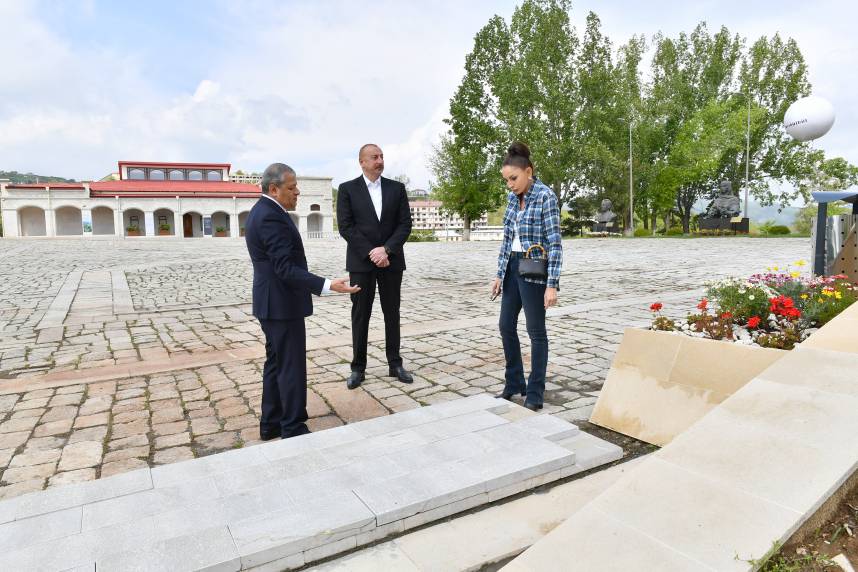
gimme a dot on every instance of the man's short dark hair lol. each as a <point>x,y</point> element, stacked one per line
<point>274,174</point>
<point>364,146</point>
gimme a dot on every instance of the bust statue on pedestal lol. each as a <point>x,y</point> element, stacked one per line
<point>723,211</point>
<point>606,218</point>
<point>725,204</point>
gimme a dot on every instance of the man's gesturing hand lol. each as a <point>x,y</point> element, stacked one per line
<point>342,286</point>
<point>379,257</point>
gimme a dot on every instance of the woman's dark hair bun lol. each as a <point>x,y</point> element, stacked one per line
<point>518,155</point>
<point>517,148</point>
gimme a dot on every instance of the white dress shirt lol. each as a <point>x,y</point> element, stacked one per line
<point>326,289</point>
<point>374,194</point>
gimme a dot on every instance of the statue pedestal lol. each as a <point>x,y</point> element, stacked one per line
<point>605,227</point>
<point>735,224</point>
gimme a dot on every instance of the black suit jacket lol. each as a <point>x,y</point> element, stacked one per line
<point>359,225</point>
<point>281,282</point>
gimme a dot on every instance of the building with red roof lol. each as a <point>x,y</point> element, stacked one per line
<point>155,199</point>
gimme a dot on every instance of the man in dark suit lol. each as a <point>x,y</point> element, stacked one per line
<point>281,300</point>
<point>374,218</point>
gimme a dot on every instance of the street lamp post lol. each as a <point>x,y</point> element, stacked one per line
<point>747,97</point>
<point>631,194</point>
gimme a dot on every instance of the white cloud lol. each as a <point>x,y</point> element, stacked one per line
<point>309,82</point>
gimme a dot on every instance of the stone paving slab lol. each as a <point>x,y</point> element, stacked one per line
<point>299,499</point>
<point>170,370</point>
<point>738,481</point>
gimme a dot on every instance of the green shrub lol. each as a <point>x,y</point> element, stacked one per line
<point>422,236</point>
<point>739,298</point>
<point>643,232</point>
<point>779,229</point>
<point>675,231</point>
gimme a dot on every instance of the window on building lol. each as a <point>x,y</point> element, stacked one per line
<point>162,220</point>
<point>134,221</point>
<point>195,175</point>
<point>136,174</point>
<point>315,208</point>
<point>176,175</point>
<point>214,176</point>
<point>156,174</point>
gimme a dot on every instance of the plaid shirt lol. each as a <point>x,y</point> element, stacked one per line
<point>540,224</point>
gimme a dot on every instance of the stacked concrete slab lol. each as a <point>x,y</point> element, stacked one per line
<point>283,504</point>
<point>741,479</point>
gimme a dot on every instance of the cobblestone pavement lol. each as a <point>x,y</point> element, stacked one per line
<point>117,354</point>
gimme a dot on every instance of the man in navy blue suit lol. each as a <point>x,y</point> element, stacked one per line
<point>282,288</point>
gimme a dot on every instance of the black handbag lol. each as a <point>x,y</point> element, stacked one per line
<point>534,267</point>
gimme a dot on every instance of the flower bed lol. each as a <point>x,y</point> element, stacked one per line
<point>777,309</point>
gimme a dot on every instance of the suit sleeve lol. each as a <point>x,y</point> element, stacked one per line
<point>280,248</point>
<point>403,224</point>
<point>346,223</point>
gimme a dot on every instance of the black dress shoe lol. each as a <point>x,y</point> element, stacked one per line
<point>355,379</point>
<point>401,374</point>
<point>508,396</point>
<point>269,435</point>
<point>533,406</point>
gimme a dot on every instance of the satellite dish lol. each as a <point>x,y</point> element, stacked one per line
<point>809,118</point>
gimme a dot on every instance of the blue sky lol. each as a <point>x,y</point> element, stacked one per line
<point>89,83</point>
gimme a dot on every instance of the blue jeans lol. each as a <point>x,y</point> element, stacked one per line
<point>517,294</point>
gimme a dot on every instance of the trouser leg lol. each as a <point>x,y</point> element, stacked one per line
<point>389,291</point>
<point>361,312</point>
<point>508,325</point>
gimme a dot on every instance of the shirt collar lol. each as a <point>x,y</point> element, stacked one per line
<point>370,183</point>
<point>275,202</point>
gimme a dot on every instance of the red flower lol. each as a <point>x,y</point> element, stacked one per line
<point>656,306</point>
<point>726,316</point>
<point>702,305</point>
<point>753,322</point>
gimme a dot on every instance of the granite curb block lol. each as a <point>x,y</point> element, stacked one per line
<point>283,504</point>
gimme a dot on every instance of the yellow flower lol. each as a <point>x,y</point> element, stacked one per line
<point>775,268</point>
<point>804,296</point>
<point>795,274</point>
<point>838,295</point>
<point>800,263</point>
<point>820,300</point>
<point>828,293</point>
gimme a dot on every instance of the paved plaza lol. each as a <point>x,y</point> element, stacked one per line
<point>122,354</point>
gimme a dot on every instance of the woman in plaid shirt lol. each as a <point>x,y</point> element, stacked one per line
<point>532,217</point>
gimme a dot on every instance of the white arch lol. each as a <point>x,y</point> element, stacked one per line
<point>314,224</point>
<point>164,217</point>
<point>102,220</point>
<point>192,224</point>
<point>31,221</point>
<point>134,222</point>
<point>68,221</point>
<point>242,221</point>
<point>220,219</point>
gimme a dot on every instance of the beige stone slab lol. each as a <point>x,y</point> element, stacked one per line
<point>840,334</point>
<point>601,543</point>
<point>701,516</point>
<point>769,433</point>
<point>659,383</point>
<point>825,370</point>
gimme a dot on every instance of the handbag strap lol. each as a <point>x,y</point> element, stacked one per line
<point>540,247</point>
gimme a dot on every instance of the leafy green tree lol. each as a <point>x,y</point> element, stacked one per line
<point>536,90</point>
<point>466,162</point>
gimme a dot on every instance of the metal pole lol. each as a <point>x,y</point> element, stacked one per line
<point>747,153</point>
<point>631,194</point>
<point>819,249</point>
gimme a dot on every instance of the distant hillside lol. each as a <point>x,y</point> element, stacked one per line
<point>16,177</point>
